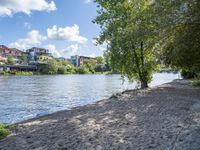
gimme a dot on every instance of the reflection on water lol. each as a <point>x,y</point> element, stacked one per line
<point>24,97</point>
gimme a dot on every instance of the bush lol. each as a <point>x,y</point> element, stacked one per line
<point>61,70</point>
<point>196,82</point>
<point>4,131</point>
<point>23,73</point>
<point>50,68</point>
<point>10,60</point>
<point>16,73</point>
<point>188,74</point>
<point>70,69</point>
<point>116,95</point>
<point>82,70</point>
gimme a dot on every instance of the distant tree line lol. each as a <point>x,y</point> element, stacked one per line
<point>56,66</point>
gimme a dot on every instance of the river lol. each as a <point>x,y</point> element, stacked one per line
<point>25,97</point>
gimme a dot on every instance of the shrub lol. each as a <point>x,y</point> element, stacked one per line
<point>196,82</point>
<point>82,70</point>
<point>50,68</point>
<point>10,60</point>
<point>188,74</point>
<point>4,131</point>
<point>116,95</point>
<point>16,73</point>
<point>61,70</point>
<point>23,73</point>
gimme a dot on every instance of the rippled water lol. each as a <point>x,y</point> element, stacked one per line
<point>24,97</point>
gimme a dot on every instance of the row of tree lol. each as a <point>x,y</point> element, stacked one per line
<point>141,34</point>
<point>56,66</point>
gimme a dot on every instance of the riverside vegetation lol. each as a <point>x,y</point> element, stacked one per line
<point>4,131</point>
<point>56,66</point>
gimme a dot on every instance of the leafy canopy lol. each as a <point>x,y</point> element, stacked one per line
<point>128,28</point>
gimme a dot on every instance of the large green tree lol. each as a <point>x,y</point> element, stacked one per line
<point>179,25</point>
<point>129,29</point>
<point>51,67</point>
<point>10,60</point>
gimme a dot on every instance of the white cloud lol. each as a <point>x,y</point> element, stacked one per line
<point>27,25</point>
<point>70,34</point>
<point>71,50</point>
<point>93,55</point>
<point>33,38</point>
<point>52,49</point>
<point>88,1</point>
<point>10,7</point>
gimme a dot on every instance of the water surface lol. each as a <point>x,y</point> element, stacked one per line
<point>24,97</point>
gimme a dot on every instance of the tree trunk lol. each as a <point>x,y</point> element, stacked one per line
<point>144,84</point>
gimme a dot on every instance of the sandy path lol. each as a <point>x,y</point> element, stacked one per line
<point>162,118</point>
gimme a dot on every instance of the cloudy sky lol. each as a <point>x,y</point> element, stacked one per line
<point>63,26</point>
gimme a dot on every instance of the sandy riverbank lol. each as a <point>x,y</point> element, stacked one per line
<point>162,118</point>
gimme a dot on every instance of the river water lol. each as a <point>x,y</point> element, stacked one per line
<point>25,97</point>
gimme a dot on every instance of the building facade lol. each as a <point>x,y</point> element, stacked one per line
<point>35,54</point>
<point>77,61</point>
<point>5,51</point>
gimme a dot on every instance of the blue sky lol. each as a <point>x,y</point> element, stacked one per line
<point>63,26</point>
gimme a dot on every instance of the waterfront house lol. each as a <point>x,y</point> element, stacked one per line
<point>35,54</point>
<point>44,58</point>
<point>79,60</point>
<point>17,53</point>
<point>75,60</point>
<point>5,51</point>
<point>13,52</point>
<point>2,60</point>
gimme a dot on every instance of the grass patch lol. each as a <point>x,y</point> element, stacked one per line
<point>4,131</point>
<point>196,83</point>
<point>116,95</point>
<point>16,73</point>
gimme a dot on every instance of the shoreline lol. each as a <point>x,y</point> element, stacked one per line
<point>166,116</point>
<point>114,96</point>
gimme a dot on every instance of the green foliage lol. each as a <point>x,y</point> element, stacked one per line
<point>65,67</point>
<point>116,95</point>
<point>50,68</point>
<point>10,60</point>
<point>24,73</point>
<point>99,68</point>
<point>24,58</point>
<point>90,65</point>
<point>140,32</point>
<point>131,35</point>
<point>100,60</point>
<point>107,57</point>
<point>178,22</point>
<point>4,131</point>
<point>189,73</point>
<point>61,70</point>
<point>16,73</point>
<point>196,82</point>
<point>82,70</point>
